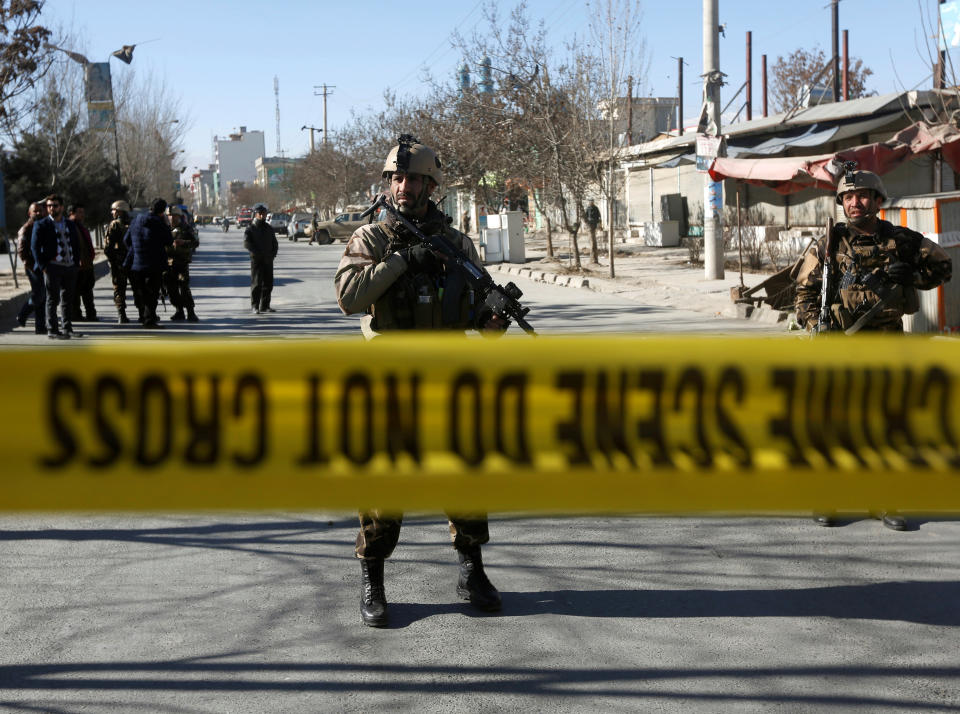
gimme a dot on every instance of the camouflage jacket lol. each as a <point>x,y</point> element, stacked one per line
<point>184,243</point>
<point>374,278</point>
<point>113,245</point>
<point>856,257</point>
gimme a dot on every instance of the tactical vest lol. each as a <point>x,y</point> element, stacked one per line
<point>424,301</point>
<point>857,257</point>
<point>114,248</point>
<point>183,254</point>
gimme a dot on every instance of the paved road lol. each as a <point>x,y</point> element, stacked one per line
<point>258,612</point>
<point>306,304</point>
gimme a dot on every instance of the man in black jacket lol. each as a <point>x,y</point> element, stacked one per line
<point>56,249</point>
<point>146,241</point>
<point>261,242</point>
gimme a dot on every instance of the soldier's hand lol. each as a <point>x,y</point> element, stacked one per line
<point>900,272</point>
<point>496,324</point>
<point>421,259</point>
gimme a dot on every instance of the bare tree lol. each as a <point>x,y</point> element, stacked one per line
<point>618,50</point>
<point>150,125</point>
<point>802,68</point>
<point>23,55</point>
<point>333,178</point>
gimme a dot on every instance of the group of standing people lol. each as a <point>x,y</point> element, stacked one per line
<point>57,254</point>
<point>151,252</point>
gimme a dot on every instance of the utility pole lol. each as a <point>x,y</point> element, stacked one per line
<point>763,82</point>
<point>276,95</point>
<point>939,72</point>
<point>312,129</point>
<point>835,13</point>
<point>749,86</point>
<point>630,110</point>
<point>939,82</point>
<point>679,96</point>
<point>846,65</point>
<point>327,91</point>
<point>712,190</point>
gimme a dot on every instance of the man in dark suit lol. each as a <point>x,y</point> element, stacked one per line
<point>56,249</point>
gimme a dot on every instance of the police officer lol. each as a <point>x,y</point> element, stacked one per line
<point>116,253</point>
<point>260,240</point>
<point>401,284</point>
<point>876,263</point>
<point>591,217</point>
<point>179,255</point>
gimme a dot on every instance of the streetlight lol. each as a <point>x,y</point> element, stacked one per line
<point>312,129</point>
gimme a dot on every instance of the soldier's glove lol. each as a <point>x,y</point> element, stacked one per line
<point>901,273</point>
<point>421,259</point>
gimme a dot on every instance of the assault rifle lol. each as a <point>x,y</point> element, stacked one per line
<point>825,321</point>
<point>501,300</point>
<point>884,292</point>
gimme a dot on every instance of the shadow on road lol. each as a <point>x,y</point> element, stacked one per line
<point>633,683</point>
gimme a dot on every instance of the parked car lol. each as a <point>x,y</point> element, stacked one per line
<point>279,221</point>
<point>297,225</point>
<point>340,228</point>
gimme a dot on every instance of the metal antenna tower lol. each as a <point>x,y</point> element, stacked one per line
<point>276,94</point>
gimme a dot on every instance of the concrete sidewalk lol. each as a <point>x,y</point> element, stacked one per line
<point>662,277</point>
<point>14,293</point>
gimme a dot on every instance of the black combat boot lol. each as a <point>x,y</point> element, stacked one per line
<point>178,315</point>
<point>373,599</point>
<point>893,520</point>
<point>473,584</point>
<point>192,316</point>
<point>826,519</point>
<point>123,319</point>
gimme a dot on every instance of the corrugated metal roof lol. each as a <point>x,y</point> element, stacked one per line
<point>921,200</point>
<point>881,110</point>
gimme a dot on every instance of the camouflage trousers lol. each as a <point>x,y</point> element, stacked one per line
<point>177,281</point>
<point>119,277</point>
<point>380,531</point>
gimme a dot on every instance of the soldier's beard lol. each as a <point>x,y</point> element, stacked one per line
<point>419,205</point>
<point>862,221</point>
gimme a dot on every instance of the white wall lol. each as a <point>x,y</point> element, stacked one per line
<point>236,159</point>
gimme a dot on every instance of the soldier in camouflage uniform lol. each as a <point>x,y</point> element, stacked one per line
<point>179,255</point>
<point>116,253</point>
<point>874,261</point>
<point>401,284</point>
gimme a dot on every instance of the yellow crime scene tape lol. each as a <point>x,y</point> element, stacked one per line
<point>582,424</point>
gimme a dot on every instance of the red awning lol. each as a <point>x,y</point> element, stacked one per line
<point>792,174</point>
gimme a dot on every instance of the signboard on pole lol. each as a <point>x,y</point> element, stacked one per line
<point>708,148</point>
<point>99,91</point>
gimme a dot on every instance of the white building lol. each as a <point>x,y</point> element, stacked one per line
<point>236,157</point>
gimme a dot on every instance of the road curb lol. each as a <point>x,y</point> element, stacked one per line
<point>11,303</point>
<point>544,276</point>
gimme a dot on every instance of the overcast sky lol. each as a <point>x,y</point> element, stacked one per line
<point>221,55</point>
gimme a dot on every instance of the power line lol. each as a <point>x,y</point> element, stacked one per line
<point>436,49</point>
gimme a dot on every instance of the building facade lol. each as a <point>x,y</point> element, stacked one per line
<point>236,158</point>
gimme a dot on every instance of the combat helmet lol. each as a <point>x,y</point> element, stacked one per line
<point>120,206</point>
<point>412,157</point>
<point>260,208</point>
<point>853,180</point>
